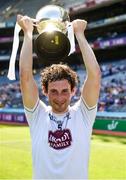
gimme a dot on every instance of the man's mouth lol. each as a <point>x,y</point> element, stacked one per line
<point>59,104</point>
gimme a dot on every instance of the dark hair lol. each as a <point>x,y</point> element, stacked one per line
<point>58,72</point>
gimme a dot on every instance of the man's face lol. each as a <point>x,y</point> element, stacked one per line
<point>59,95</point>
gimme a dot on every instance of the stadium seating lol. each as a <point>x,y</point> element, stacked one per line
<point>9,9</point>
<point>112,95</point>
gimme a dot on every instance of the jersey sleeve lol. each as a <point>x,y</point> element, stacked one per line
<point>89,113</point>
<point>33,114</point>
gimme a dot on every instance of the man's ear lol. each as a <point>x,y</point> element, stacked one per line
<point>44,90</point>
<point>73,91</point>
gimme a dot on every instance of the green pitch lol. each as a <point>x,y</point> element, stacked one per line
<point>107,161</point>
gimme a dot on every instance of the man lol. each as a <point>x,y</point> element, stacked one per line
<point>60,133</point>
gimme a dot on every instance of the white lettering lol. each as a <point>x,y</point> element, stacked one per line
<point>113,125</point>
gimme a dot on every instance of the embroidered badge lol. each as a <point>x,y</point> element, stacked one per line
<point>60,139</point>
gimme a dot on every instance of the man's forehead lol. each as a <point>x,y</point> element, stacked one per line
<point>60,83</point>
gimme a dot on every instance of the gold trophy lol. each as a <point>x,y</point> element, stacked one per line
<point>52,41</point>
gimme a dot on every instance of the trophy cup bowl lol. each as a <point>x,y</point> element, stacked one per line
<point>52,42</point>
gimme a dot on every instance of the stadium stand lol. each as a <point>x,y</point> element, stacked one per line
<point>112,96</point>
<point>9,9</point>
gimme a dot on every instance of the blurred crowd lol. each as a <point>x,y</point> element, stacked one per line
<point>113,87</point>
<point>112,95</point>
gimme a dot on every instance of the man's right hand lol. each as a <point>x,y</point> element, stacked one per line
<point>26,23</point>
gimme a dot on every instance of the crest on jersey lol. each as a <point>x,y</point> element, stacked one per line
<point>60,139</point>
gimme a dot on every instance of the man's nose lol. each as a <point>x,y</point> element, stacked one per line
<point>60,98</point>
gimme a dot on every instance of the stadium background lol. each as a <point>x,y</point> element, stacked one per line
<point>106,35</point>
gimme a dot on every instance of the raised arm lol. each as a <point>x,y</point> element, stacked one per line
<point>91,86</point>
<point>29,88</point>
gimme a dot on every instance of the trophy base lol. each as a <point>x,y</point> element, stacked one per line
<point>52,46</point>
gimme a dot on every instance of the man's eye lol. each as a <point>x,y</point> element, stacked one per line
<point>53,91</point>
<point>65,90</point>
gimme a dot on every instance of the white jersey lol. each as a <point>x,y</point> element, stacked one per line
<point>61,143</point>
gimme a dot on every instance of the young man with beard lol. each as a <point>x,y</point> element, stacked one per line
<point>60,133</point>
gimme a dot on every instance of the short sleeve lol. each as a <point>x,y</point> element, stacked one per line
<point>33,114</point>
<point>89,111</point>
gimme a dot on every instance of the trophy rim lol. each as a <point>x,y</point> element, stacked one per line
<point>43,13</point>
